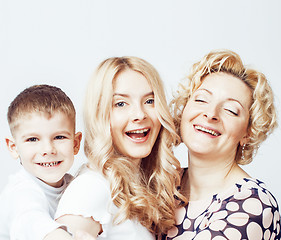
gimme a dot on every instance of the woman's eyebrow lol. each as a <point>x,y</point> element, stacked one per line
<point>127,95</point>
<point>149,94</point>
<point>120,94</point>
<point>205,90</point>
<point>235,100</point>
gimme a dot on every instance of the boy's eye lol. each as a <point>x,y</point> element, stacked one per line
<point>60,137</point>
<point>150,101</point>
<point>32,139</point>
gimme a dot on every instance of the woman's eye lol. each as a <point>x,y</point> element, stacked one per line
<point>200,100</point>
<point>60,137</point>
<point>32,139</point>
<point>120,104</point>
<point>232,112</point>
<point>150,101</point>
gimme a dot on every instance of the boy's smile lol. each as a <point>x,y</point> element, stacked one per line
<point>46,146</point>
<point>50,164</point>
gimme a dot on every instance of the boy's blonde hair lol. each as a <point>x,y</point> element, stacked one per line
<point>146,195</point>
<point>44,99</point>
<point>262,119</point>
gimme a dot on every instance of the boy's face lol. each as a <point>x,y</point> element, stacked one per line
<point>45,146</point>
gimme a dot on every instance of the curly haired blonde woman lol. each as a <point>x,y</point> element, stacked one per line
<point>128,188</point>
<point>223,113</point>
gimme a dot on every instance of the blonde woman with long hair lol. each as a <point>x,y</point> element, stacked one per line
<point>129,186</point>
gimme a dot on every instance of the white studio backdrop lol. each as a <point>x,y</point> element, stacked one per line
<point>60,42</point>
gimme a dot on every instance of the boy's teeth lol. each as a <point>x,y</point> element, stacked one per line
<point>207,130</point>
<point>49,164</point>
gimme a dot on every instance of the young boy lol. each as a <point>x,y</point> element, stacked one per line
<point>42,124</point>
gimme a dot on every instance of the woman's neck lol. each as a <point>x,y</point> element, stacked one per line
<point>207,177</point>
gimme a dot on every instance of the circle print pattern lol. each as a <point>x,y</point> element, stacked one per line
<point>247,211</point>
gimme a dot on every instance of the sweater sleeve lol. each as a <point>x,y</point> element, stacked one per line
<point>88,195</point>
<point>30,215</point>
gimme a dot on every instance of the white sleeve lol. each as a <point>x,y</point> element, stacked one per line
<point>30,215</point>
<point>88,195</point>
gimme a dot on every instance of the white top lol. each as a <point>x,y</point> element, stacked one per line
<point>89,195</point>
<point>28,206</point>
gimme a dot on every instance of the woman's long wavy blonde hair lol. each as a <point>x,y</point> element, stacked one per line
<point>262,119</point>
<point>147,194</point>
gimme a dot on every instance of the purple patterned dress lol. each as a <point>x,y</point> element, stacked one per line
<point>245,211</point>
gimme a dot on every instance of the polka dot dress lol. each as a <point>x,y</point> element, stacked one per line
<point>246,211</point>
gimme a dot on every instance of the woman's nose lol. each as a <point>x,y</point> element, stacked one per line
<point>138,113</point>
<point>212,113</point>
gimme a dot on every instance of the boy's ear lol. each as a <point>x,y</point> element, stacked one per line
<point>11,145</point>
<point>77,141</point>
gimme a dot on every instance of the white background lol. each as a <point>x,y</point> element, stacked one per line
<point>60,42</point>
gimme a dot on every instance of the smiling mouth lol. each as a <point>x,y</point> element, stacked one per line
<point>209,131</point>
<point>49,164</point>
<point>138,134</point>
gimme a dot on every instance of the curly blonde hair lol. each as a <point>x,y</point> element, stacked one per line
<point>148,194</point>
<point>262,112</point>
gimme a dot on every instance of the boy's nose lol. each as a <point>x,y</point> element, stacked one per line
<point>48,149</point>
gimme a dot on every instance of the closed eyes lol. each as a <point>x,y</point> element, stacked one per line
<point>200,100</point>
<point>232,112</point>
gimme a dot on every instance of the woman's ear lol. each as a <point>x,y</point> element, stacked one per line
<point>77,141</point>
<point>244,140</point>
<point>11,145</point>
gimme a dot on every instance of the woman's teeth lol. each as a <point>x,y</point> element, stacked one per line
<point>138,133</point>
<point>212,132</point>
